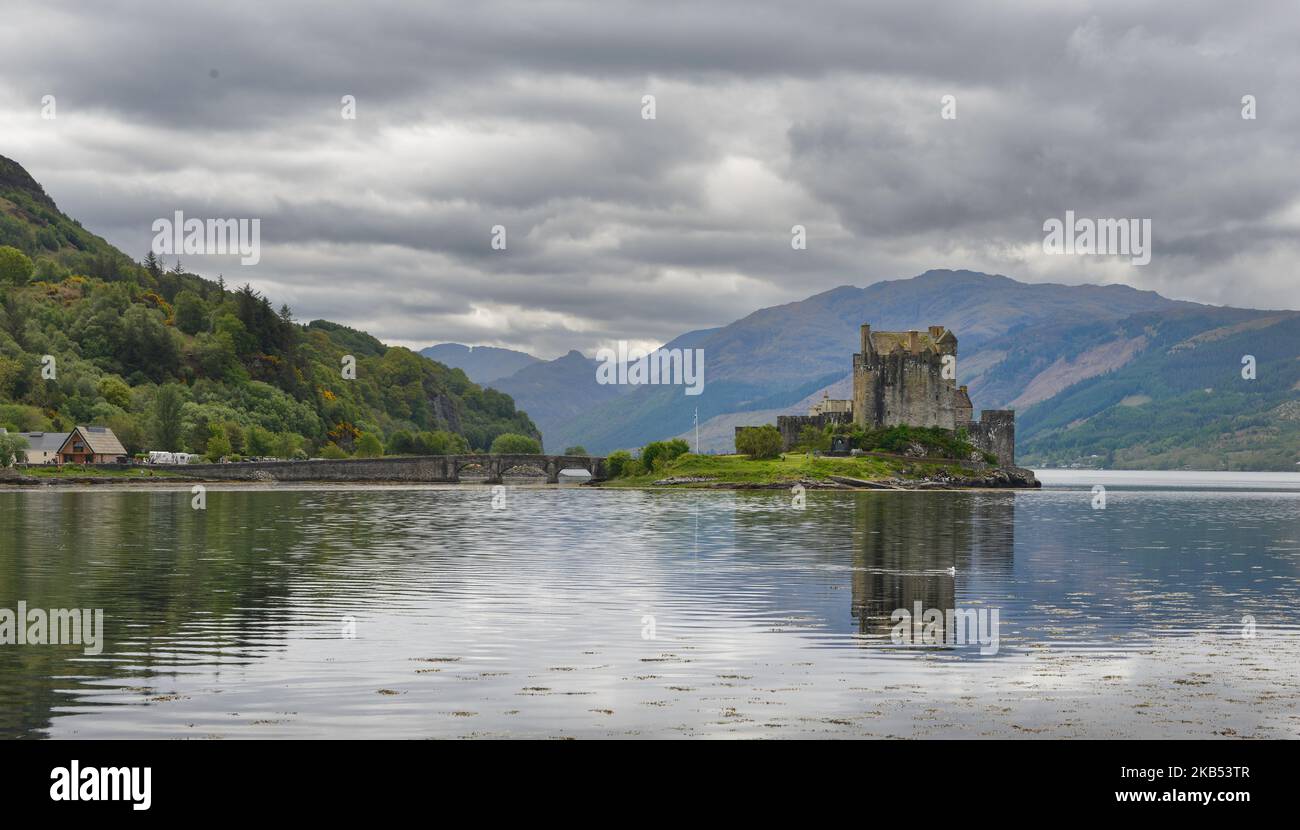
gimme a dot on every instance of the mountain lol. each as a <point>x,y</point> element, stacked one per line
<point>172,361</point>
<point>58,245</point>
<point>557,391</point>
<point>1160,391</point>
<point>482,364</point>
<point>1097,374</point>
<point>774,358</point>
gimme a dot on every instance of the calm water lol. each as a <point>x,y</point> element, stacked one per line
<point>582,612</point>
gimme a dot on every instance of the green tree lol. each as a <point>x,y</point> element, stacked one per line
<point>576,450</point>
<point>218,444</point>
<point>369,446</point>
<point>429,443</point>
<point>333,452</point>
<point>216,357</point>
<point>616,462</point>
<point>166,416</point>
<point>23,418</point>
<point>128,429</point>
<point>811,438</point>
<point>289,445</point>
<point>191,313</point>
<point>15,266</point>
<point>759,442</point>
<point>152,265</point>
<point>401,442</point>
<point>666,450</point>
<point>633,468</point>
<point>11,377</point>
<point>436,442</point>
<point>235,435</point>
<point>146,345</point>
<point>114,390</point>
<point>261,441</point>
<point>12,449</point>
<point>515,444</point>
<point>457,443</point>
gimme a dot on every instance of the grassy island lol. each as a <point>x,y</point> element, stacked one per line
<point>895,457</point>
<point>689,470</point>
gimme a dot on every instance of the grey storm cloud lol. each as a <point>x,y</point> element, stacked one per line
<point>768,114</point>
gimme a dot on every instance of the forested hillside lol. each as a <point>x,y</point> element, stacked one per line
<point>173,361</point>
<point>1184,400</point>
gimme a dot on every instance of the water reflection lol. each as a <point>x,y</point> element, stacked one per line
<point>227,621</point>
<point>909,550</point>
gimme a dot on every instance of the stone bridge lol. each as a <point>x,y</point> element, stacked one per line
<point>496,465</point>
<point>419,468</point>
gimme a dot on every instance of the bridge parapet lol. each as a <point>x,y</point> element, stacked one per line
<point>421,468</point>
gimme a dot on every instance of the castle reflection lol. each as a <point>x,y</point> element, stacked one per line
<point>910,549</point>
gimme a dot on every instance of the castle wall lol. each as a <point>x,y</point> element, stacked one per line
<point>915,393</point>
<point>995,432</point>
<point>864,394</point>
<point>902,388</point>
<point>962,411</point>
<point>791,425</point>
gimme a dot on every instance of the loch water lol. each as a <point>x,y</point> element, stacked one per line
<point>416,612</point>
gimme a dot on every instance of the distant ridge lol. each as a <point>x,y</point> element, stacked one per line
<point>482,364</point>
<point>1098,374</point>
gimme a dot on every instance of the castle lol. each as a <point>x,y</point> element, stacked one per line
<point>910,378</point>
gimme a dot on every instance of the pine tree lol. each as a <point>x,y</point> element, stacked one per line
<point>151,264</point>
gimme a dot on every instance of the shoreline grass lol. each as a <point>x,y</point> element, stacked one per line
<point>77,471</point>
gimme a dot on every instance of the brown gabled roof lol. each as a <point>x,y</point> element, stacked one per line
<point>100,440</point>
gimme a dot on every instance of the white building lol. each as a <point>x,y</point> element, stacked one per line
<point>43,447</point>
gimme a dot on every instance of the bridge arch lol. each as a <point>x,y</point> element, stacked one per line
<point>495,466</point>
<point>462,463</point>
<point>557,464</point>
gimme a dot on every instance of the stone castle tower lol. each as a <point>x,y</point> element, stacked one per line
<point>909,378</point>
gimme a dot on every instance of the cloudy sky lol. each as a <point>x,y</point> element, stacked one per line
<point>529,115</point>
